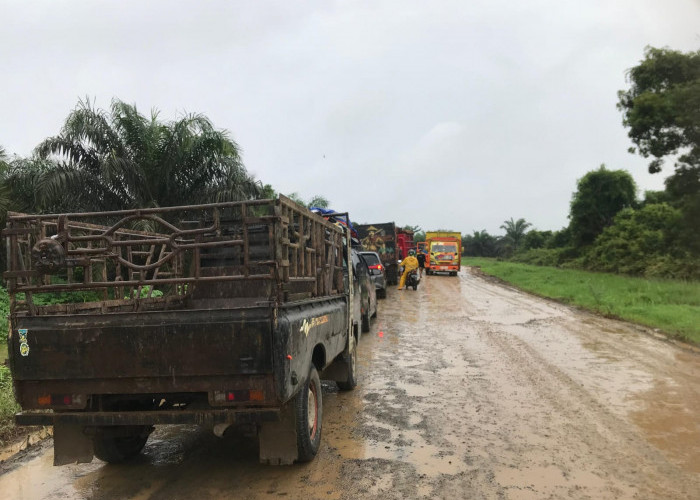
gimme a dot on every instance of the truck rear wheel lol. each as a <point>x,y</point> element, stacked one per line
<point>120,443</point>
<point>309,412</point>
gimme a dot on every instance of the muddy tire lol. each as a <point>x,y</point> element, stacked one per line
<point>309,411</point>
<point>120,446</point>
<point>365,321</point>
<point>415,287</point>
<point>350,361</point>
<point>381,293</point>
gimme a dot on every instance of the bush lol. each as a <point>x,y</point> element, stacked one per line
<point>643,242</point>
<point>8,405</point>
<point>539,257</point>
<point>553,257</point>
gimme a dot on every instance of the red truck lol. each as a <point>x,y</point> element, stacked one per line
<point>404,242</point>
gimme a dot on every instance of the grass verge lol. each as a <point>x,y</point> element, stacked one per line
<point>669,305</point>
<point>8,406</point>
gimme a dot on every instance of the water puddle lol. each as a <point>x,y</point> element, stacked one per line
<point>669,418</point>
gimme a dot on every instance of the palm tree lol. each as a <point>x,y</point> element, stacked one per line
<point>515,232</point>
<point>21,178</point>
<point>122,159</point>
<point>483,244</point>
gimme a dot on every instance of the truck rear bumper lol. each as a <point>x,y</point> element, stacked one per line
<point>198,417</point>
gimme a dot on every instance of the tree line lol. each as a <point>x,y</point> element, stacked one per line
<point>610,229</point>
<point>121,159</point>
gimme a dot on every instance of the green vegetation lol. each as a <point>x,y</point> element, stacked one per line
<point>601,194</point>
<point>8,406</point>
<point>661,106</point>
<point>121,159</point>
<point>609,229</point>
<point>317,201</point>
<point>515,234</point>
<point>670,305</point>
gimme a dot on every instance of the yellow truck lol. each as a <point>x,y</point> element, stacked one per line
<point>444,252</point>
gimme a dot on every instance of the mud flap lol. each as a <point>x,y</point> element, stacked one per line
<point>337,370</point>
<point>71,445</point>
<point>278,440</point>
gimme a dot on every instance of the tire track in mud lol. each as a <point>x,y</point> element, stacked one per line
<point>602,437</point>
<point>516,424</point>
<point>472,390</point>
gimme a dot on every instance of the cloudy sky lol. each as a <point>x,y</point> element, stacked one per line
<point>442,114</point>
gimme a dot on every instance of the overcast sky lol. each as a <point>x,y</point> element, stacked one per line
<point>442,114</point>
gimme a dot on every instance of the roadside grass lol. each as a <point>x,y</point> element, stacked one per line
<point>671,306</point>
<point>8,406</point>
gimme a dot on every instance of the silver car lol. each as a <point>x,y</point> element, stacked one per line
<point>377,272</point>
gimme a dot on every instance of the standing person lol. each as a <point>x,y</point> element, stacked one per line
<point>421,263</point>
<point>409,264</point>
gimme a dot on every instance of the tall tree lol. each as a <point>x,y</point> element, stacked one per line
<point>662,106</point>
<point>536,239</point>
<point>479,244</point>
<point>515,232</point>
<point>601,194</point>
<point>662,110</point>
<point>123,159</point>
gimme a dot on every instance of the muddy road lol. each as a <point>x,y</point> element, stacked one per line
<point>468,389</point>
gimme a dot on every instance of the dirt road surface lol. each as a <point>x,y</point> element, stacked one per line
<point>468,389</point>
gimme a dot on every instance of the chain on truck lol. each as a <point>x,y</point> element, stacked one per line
<point>221,315</point>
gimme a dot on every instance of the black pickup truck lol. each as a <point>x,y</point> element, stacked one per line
<point>222,315</point>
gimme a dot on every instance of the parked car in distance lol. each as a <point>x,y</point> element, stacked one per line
<point>377,271</point>
<point>368,295</point>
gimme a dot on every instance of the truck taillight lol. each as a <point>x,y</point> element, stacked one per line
<point>61,400</point>
<point>238,396</point>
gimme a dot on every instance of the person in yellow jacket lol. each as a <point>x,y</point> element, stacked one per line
<point>409,264</point>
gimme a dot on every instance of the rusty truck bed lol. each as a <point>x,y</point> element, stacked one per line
<point>168,304</point>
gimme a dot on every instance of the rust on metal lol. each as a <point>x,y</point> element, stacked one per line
<point>277,249</point>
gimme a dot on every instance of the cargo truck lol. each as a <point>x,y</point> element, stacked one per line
<point>221,315</point>
<point>381,238</point>
<point>444,252</point>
